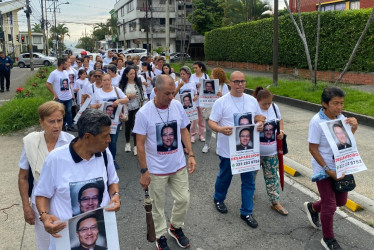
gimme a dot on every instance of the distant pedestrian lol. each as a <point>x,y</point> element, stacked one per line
<point>332,100</point>
<point>161,126</point>
<point>6,64</point>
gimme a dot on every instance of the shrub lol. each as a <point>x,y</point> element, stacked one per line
<point>253,41</point>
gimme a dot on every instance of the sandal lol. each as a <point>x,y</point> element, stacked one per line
<point>278,208</point>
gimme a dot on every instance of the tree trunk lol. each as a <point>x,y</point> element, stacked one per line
<point>356,46</point>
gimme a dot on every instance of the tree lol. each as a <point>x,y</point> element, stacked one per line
<point>37,28</point>
<point>100,31</point>
<point>207,15</point>
<point>86,43</point>
<point>61,30</point>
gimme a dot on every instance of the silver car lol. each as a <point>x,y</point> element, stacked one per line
<point>39,59</point>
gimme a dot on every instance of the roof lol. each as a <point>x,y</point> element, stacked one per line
<point>9,6</point>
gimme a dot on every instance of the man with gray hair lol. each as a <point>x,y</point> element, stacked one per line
<point>85,160</point>
<point>160,167</point>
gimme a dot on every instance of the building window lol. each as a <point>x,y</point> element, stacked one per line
<point>354,5</point>
<point>122,11</point>
<point>132,26</point>
<point>130,6</point>
<point>37,39</point>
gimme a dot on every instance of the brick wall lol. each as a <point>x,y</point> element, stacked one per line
<point>329,76</point>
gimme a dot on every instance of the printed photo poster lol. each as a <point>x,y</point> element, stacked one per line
<point>267,136</point>
<point>186,98</point>
<point>208,92</point>
<point>64,84</point>
<point>244,149</point>
<point>82,108</point>
<point>113,113</point>
<point>96,229</point>
<point>343,145</point>
<point>86,195</point>
<point>242,119</point>
<point>167,137</point>
<point>72,79</point>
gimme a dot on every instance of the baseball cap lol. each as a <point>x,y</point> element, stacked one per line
<point>83,53</point>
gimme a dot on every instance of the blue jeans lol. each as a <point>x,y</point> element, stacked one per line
<point>68,118</point>
<point>223,183</point>
<point>113,142</point>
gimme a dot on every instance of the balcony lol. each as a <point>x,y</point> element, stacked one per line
<point>156,9</point>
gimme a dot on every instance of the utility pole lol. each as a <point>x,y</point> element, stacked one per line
<point>28,12</point>
<point>275,44</point>
<point>43,24</point>
<point>147,24</point>
<point>167,32</point>
<point>54,10</point>
<point>46,27</point>
<point>150,2</point>
<point>2,32</point>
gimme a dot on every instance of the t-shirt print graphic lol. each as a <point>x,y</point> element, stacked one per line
<point>167,137</point>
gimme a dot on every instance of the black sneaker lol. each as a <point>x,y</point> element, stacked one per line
<point>178,235</point>
<point>1,90</point>
<point>312,216</point>
<point>162,244</point>
<point>220,206</point>
<point>250,220</point>
<point>331,244</point>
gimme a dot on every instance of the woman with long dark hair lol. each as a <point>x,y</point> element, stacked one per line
<point>132,87</point>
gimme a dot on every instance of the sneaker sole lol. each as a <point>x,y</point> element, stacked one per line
<point>324,244</point>
<point>176,239</point>
<point>309,215</point>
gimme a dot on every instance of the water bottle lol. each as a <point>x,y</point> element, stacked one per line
<point>319,176</point>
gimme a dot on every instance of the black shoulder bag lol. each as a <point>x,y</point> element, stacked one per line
<point>344,185</point>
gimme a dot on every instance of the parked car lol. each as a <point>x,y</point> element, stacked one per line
<point>39,59</point>
<point>135,52</point>
<point>176,57</point>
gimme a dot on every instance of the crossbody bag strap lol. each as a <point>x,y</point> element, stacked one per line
<point>276,115</point>
<point>105,156</point>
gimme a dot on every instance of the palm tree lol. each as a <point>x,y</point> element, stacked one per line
<point>61,30</point>
<point>237,11</point>
<point>37,28</point>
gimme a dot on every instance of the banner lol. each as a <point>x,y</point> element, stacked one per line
<point>343,144</point>
<point>95,229</point>
<point>208,92</point>
<point>113,113</point>
<point>83,108</point>
<point>244,149</point>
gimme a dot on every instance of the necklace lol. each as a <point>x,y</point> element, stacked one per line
<point>167,120</point>
<point>240,111</point>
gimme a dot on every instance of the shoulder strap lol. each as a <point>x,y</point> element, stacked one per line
<point>93,89</point>
<point>275,111</point>
<point>115,89</point>
<point>205,76</point>
<point>105,156</point>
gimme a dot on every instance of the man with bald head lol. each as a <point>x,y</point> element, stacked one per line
<point>160,167</point>
<point>221,120</point>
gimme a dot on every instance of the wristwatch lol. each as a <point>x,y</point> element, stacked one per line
<point>143,170</point>
<point>325,168</point>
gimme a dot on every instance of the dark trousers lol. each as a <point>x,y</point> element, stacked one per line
<point>68,118</point>
<point>5,74</point>
<point>129,125</point>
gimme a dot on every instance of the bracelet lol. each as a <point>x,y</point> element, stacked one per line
<point>41,214</point>
<point>325,168</point>
<point>191,156</point>
<point>281,131</point>
<point>115,193</point>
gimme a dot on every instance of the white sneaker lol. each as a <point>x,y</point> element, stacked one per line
<point>205,148</point>
<point>128,147</point>
<point>135,151</point>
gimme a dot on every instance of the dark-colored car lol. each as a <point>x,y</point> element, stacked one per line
<point>177,57</point>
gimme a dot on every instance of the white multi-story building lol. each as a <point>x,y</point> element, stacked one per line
<point>142,22</point>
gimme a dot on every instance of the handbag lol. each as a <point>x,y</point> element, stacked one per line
<point>284,140</point>
<point>124,116</point>
<point>344,185</point>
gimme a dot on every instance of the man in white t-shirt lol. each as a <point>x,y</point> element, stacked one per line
<point>158,68</point>
<point>69,168</point>
<point>221,120</point>
<point>158,123</point>
<point>107,60</point>
<point>57,84</point>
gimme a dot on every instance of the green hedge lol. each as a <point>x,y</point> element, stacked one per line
<point>253,41</point>
<point>21,111</point>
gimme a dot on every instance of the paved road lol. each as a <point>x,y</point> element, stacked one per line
<point>17,79</point>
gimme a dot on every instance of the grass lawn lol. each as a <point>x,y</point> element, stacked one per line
<point>356,101</point>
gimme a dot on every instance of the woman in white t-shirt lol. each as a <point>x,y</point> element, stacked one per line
<point>217,73</point>
<point>200,73</point>
<point>132,87</point>
<point>81,82</point>
<point>112,71</point>
<point>166,70</point>
<point>268,146</point>
<point>148,75</point>
<point>332,100</point>
<point>111,94</point>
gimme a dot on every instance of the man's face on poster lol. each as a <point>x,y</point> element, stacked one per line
<point>65,84</point>
<point>88,233</point>
<point>244,137</point>
<point>109,110</point>
<point>71,78</point>
<point>339,133</point>
<point>209,87</point>
<point>89,200</point>
<point>167,136</point>
<point>244,121</point>
<point>268,131</point>
<point>186,101</point>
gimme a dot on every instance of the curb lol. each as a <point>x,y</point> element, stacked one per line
<point>355,203</point>
<point>291,171</point>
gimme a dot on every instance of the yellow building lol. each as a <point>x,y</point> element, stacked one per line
<point>9,31</point>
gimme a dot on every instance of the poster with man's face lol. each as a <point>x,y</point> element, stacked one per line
<point>64,84</point>
<point>269,132</point>
<point>186,100</point>
<point>167,137</point>
<point>242,119</point>
<point>209,87</point>
<point>110,110</point>
<point>71,78</point>
<point>244,138</point>
<point>86,195</point>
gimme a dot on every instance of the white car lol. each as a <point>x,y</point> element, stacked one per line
<point>135,52</point>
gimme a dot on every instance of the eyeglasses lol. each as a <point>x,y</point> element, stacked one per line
<point>237,82</point>
<point>87,199</point>
<point>85,229</point>
<point>165,135</point>
<point>268,130</point>
<point>97,75</point>
<point>244,136</point>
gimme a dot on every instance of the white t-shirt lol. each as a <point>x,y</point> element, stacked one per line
<point>160,159</point>
<point>196,80</point>
<point>225,89</point>
<point>90,89</point>
<point>157,71</point>
<point>120,71</point>
<point>150,86</point>
<point>153,94</point>
<point>115,81</point>
<point>269,147</point>
<point>227,109</point>
<point>107,60</point>
<point>316,136</point>
<point>190,86</point>
<point>60,83</point>
<point>64,173</point>
<point>63,139</point>
<point>101,95</point>
<point>81,84</point>
<point>72,72</point>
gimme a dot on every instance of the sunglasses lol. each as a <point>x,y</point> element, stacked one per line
<point>97,75</point>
